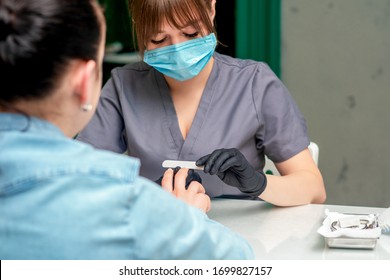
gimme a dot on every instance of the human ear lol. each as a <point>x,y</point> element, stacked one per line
<point>84,83</point>
<point>213,11</point>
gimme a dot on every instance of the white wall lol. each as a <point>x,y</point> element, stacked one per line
<point>336,64</point>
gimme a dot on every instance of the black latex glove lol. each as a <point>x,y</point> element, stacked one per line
<point>192,176</point>
<point>231,166</point>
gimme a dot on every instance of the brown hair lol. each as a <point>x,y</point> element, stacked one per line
<point>148,16</point>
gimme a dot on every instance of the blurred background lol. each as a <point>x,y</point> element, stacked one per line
<point>333,56</point>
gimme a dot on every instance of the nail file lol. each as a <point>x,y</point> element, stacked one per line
<point>181,164</point>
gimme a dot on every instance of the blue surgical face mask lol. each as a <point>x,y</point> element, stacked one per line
<point>182,61</point>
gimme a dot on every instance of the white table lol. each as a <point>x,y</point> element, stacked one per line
<point>288,233</point>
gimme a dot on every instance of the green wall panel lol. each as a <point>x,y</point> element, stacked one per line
<point>258,30</point>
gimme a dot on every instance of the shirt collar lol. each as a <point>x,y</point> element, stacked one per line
<point>24,123</point>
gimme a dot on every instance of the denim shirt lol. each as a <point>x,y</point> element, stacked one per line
<point>62,199</point>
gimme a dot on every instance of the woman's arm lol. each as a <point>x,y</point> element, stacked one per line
<point>300,182</point>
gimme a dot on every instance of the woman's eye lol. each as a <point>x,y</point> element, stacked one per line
<point>157,42</point>
<point>192,35</point>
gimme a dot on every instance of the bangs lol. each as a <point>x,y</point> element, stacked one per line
<point>183,14</point>
<point>149,18</point>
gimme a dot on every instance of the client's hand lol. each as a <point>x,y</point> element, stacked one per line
<point>191,176</point>
<point>194,195</point>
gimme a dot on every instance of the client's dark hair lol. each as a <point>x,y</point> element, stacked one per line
<point>38,39</point>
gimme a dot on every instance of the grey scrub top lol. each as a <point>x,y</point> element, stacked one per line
<point>243,106</point>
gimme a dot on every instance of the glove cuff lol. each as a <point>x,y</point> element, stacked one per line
<point>260,187</point>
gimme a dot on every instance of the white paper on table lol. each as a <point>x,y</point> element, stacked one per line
<point>326,231</point>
